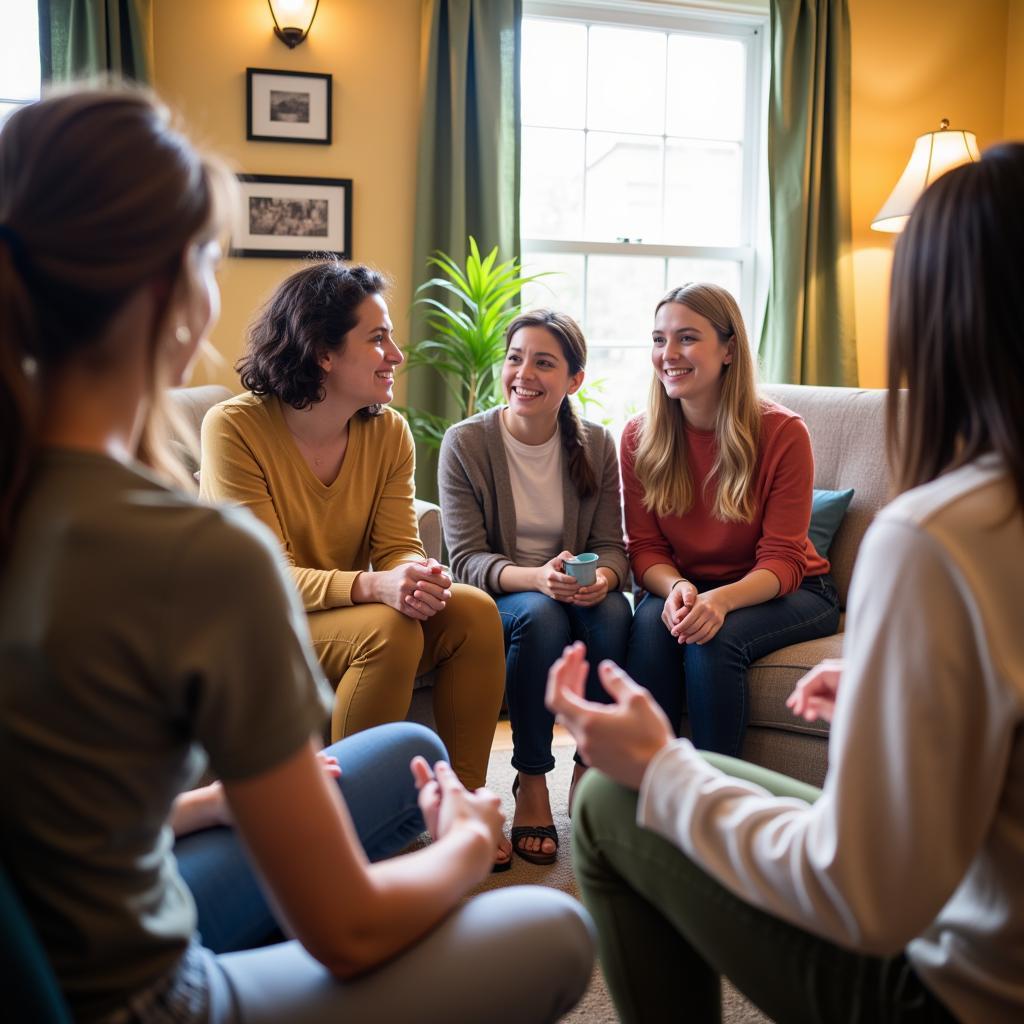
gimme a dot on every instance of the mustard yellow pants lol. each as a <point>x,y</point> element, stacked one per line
<point>371,654</point>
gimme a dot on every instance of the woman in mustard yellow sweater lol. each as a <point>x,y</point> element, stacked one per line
<point>312,449</point>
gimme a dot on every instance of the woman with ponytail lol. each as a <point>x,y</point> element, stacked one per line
<point>717,488</point>
<point>523,488</point>
<point>144,636</point>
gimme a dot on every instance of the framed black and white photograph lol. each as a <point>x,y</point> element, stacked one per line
<point>287,106</point>
<point>293,217</point>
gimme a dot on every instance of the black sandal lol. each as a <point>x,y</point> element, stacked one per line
<point>541,832</point>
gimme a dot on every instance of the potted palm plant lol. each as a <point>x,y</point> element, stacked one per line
<point>466,343</point>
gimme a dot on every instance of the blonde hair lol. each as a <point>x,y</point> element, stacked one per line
<point>661,447</point>
<point>98,195</point>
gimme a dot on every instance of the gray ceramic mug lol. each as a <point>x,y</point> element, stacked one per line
<point>582,568</point>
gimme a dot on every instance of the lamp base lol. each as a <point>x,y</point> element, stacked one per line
<point>291,37</point>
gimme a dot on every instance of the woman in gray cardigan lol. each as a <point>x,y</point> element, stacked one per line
<point>523,487</point>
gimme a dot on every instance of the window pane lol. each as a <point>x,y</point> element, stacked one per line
<point>721,272</point>
<point>551,200</point>
<point>623,187</point>
<point>619,379</point>
<point>554,73</point>
<point>703,192</point>
<point>563,290</point>
<point>19,50</point>
<point>622,292</point>
<point>626,80</point>
<point>706,82</point>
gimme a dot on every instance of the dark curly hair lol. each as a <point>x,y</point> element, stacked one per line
<point>310,313</point>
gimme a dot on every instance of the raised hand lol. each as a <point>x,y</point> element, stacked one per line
<point>815,694</point>
<point>619,738</point>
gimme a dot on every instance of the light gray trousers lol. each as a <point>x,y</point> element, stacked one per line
<point>519,955</point>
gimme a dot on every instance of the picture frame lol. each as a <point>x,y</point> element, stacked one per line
<point>288,106</point>
<point>288,217</point>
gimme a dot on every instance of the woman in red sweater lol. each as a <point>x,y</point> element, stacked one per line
<point>717,486</point>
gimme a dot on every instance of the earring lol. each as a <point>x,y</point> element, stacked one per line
<point>182,335</point>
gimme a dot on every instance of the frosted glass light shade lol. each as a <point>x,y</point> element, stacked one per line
<point>934,154</point>
<point>292,19</point>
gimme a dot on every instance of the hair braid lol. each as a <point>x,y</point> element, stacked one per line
<point>574,442</point>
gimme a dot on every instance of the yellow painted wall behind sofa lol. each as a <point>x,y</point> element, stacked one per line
<point>913,63</point>
<point>1013,115</point>
<point>372,50</point>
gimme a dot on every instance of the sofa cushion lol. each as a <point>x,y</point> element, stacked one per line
<point>847,427</point>
<point>827,511</point>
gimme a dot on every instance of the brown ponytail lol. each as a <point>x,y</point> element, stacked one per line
<point>567,333</point>
<point>98,196</point>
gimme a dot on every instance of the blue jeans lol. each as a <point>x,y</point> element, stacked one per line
<point>714,675</point>
<point>537,629</point>
<point>378,788</point>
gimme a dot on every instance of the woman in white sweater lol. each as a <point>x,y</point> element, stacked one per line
<point>895,893</point>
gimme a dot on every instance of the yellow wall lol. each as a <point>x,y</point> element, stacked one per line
<point>1013,117</point>
<point>372,49</point>
<point>913,63</point>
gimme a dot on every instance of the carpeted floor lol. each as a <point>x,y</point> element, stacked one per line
<point>596,1006</point>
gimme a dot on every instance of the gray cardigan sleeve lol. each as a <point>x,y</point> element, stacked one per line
<point>461,480</point>
<point>606,539</point>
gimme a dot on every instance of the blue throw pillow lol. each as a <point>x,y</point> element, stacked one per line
<point>827,511</point>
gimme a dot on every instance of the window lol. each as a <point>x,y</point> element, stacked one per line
<point>19,56</point>
<point>641,166</point>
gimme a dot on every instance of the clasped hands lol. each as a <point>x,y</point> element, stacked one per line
<point>622,738</point>
<point>416,589</point>
<point>693,618</point>
<point>555,582</point>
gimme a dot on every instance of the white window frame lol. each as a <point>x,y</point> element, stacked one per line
<point>745,21</point>
<point>21,101</point>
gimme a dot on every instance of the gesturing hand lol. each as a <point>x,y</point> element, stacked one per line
<point>619,738</point>
<point>815,694</point>
<point>446,804</point>
<point>553,580</point>
<point>416,589</point>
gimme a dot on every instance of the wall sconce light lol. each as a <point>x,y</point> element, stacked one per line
<point>292,19</point>
<point>934,154</point>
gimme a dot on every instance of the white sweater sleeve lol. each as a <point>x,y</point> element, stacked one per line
<point>918,754</point>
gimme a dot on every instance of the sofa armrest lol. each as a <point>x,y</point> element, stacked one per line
<point>428,518</point>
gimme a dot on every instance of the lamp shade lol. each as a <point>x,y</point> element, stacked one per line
<point>292,19</point>
<point>934,154</point>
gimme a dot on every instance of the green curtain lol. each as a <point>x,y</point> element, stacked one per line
<point>87,37</point>
<point>809,335</point>
<point>468,159</point>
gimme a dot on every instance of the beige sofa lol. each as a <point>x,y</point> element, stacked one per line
<point>847,427</point>
<point>191,405</point>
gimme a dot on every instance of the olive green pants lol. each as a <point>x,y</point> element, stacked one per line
<point>668,931</point>
<point>371,654</point>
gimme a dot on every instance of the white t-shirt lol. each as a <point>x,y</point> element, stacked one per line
<point>917,841</point>
<point>535,473</point>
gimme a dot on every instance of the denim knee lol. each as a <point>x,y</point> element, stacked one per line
<point>397,743</point>
<point>532,611</point>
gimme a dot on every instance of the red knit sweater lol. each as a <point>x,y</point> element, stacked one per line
<point>703,548</point>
